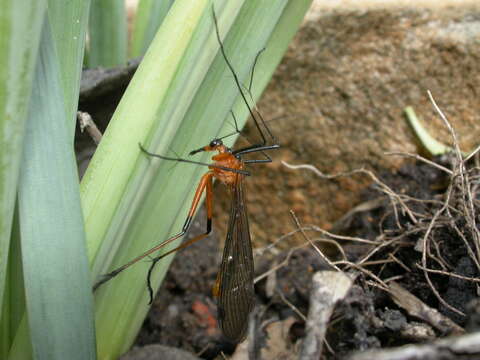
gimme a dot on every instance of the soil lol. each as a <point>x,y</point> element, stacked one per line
<point>185,316</point>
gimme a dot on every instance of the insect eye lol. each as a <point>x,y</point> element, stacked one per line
<point>215,143</point>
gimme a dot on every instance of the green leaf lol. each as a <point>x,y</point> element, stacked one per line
<point>69,26</point>
<point>433,146</point>
<point>55,265</point>
<point>22,347</point>
<point>14,296</point>
<point>163,87</point>
<point>149,17</point>
<point>20,24</point>
<point>178,100</point>
<point>107,33</point>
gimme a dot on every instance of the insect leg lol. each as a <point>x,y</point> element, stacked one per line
<point>206,184</point>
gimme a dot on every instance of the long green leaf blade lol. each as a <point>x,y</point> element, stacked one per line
<point>149,17</point>
<point>21,348</point>
<point>14,296</point>
<point>69,26</point>
<point>55,265</point>
<point>107,33</point>
<point>163,87</point>
<point>20,24</point>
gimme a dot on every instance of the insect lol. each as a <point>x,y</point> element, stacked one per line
<point>233,288</point>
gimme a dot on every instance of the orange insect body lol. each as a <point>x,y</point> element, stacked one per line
<point>225,159</point>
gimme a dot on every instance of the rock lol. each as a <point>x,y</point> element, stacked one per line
<point>337,99</point>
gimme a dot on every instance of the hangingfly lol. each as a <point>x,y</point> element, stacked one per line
<point>234,285</point>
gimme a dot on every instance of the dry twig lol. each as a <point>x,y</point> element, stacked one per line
<point>86,123</point>
<point>328,288</point>
<point>417,308</point>
<point>458,347</point>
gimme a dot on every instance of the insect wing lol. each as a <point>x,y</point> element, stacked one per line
<point>235,278</point>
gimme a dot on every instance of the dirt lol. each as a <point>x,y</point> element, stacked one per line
<point>184,316</point>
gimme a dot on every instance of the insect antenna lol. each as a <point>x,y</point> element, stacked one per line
<point>257,119</point>
<point>253,69</point>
